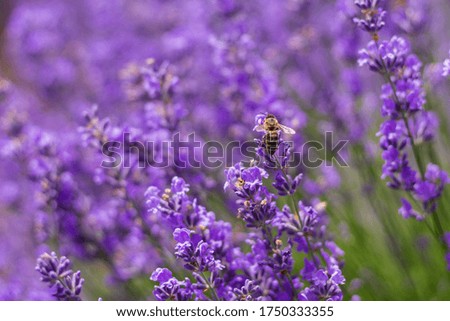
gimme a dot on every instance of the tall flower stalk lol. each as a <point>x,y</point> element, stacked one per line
<point>323,256</point>
<point>406,120</point>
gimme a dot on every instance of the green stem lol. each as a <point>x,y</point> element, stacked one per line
<point>414,147</point>
<point>291,283</point>
<point>439,229</point>
<point>213,291</point>
<point>297,215</point>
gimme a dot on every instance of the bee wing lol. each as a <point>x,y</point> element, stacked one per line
<point>286,130</point>
<point>259,128</point>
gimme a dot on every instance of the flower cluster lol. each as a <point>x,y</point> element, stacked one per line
<point>170,288</point>
<point>57,273</point>
<point>202,242</point>
<point>259,207</point>
<point>372,19</point>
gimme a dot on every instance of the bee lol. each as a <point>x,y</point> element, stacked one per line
<point>272,129</point>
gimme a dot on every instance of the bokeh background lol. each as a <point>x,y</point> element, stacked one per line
<point>227,60</point>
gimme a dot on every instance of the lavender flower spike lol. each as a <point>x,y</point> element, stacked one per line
<point>372,17</point>
<point>58,274</point>
<point>403,96</point>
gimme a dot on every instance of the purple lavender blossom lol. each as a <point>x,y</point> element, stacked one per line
<point>385,56</point>
<point>245,182</point>
<point>407,211</point>
<point>57,273</point>
<point>248,292</point>
<point>285,184</point>
<point>431,188</point>
<point>197,254</point>
<point>170,288</point>
<point>372,16</point>
<point>324,286</point>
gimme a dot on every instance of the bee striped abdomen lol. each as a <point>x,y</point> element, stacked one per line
<point>271,141</point>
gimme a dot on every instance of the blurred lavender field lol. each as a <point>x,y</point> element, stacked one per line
<point>78,75</point>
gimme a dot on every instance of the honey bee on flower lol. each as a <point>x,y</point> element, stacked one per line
<point>272,128</point>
